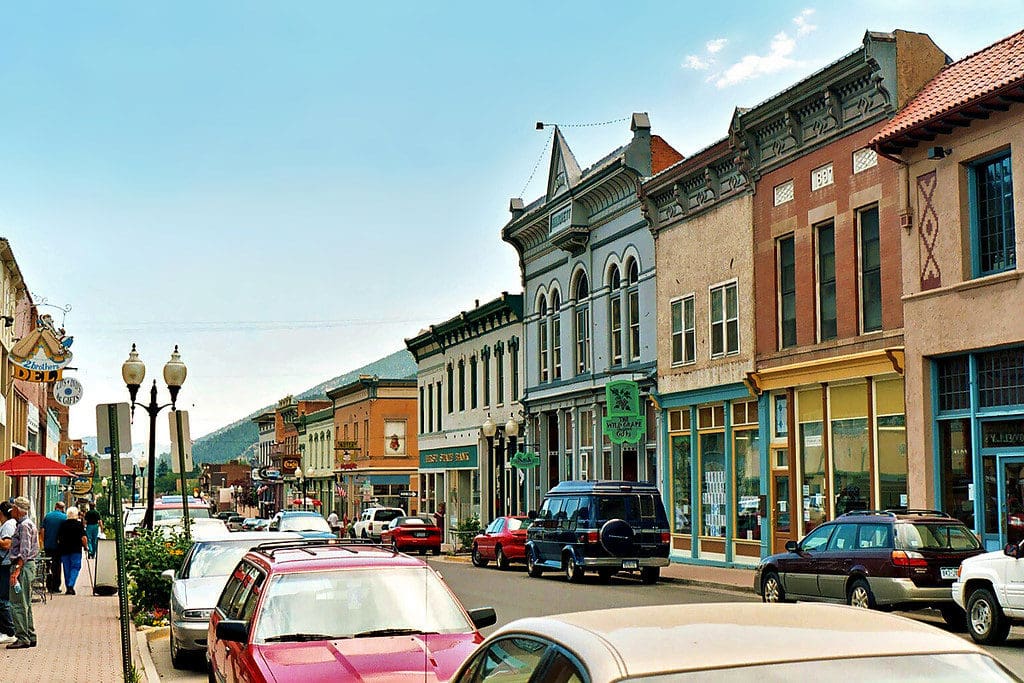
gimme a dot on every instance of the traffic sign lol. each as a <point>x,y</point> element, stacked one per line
<point>407,494</point>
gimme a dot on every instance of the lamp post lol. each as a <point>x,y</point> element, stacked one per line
<point>133,371</point>
<point>497,454</point>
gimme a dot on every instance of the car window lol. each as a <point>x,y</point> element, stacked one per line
<point>567,516</point>
<point>517,524</point>
<point>236,607</point>
<point>875,536</point>
<point>228,594</point>
<point>387,515</point>
<point>844,538</point>
<point>514,659</point>
<point>562,669</point>
<point>304,523</point>
<point>922,536</point>
<point>216,558</point>
<point>545,509</point>
<point>647,506</point>
<point>817,539</point>
<point>254,596</point>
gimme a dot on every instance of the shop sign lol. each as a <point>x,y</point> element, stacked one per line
<point>1002,434</point>
<point>42,353</point>
<point>37,376</point>
<point>80,465</point>
<point>346,466</point>
<point>448,458</point>
<point>625,422</point>
<point>67,391</point>
<point>269,473</point>
<point>82,487</point>
<point>525,460</point>
<point>290,464</point>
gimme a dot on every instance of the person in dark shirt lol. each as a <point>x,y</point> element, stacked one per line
<point>92,529</point>
<point>71,541</point>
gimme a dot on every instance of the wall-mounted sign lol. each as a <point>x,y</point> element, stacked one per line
<point>269,473</point>
<point>289,465</point>
<point>82,466</point>
<point>67,391</point>
<point>346,466</point>
<point>43,350</point>
<point>347,445</point>
<point>453,457</point>
<point>525,460</point>
<point>37,376</point>
<point>406,494</point>
<point>625,422</point>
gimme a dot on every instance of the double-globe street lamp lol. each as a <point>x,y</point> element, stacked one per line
<point>496,453</point>
<point>133,371</point>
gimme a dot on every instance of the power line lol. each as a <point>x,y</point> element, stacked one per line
<point>537,165</point>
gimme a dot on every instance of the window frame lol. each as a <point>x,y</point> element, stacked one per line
<point>724,287</point>
<point>861,273</point>
<point>783,293</point>
<point>973,169</point>
<point>829,224</point>
<point>615,317</point>
<point>690,299</point>
<point>555,320</point>
<point>581,318</point>
<point>632,299</point>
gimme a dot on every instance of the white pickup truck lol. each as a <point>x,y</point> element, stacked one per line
<point>990,588</point>
<point>373,522</point>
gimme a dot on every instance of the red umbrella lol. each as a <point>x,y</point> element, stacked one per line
<point>31,464</point>
<point>309,501</point>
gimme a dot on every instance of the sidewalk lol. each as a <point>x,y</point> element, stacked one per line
<point>79,639</point>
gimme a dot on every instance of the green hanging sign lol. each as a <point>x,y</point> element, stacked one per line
<point>524,460</point>
<point>625,423</point>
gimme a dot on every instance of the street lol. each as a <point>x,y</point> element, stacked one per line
<point>514,595</point>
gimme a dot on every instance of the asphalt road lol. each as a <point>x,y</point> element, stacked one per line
<point>514,595</point>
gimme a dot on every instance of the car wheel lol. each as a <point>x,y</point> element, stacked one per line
<point>364,534</point>
<point>423,551</point>
<point>531,565</point>
<point>860,595</point>
<point>437,550</point>
<point>771,588</point>
<point>500,559</point>
<point>394,546</point>
<point>649,575</point>
<point>985,619</point>
<point>954,617</point>
<point>177,656</point>
<point>478,560</point>
<point>573,572</point>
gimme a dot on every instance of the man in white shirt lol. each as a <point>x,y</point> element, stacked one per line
<point>332,519</point>
<point>7,526</point>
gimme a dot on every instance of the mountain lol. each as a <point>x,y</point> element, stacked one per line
<point>238,439</point>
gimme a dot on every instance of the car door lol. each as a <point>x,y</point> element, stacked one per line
<point>220,660</point>
<point>834,564</point>
<point>541,530</point>
<point>1013,597</point>
<point>237,655</point>
<point>800,571</point>
<point>566,531</point>
<point>490,538</point>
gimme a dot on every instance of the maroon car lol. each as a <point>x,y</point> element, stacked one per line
<point>406,534</point>
<point>503,541</point>
<point>892,559</point>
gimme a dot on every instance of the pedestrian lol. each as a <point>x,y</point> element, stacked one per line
<point>71,540</point>
<point>7,526</point>
<point>93,524</point>
<point>439,518</point>
<point>332,519</point>
<point>24,552</point>
<point>51,522</point>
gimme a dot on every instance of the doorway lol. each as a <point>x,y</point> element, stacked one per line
<point>1011,499</point>
<point>783,529</point>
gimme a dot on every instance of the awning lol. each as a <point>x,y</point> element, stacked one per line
<point>835,369</point>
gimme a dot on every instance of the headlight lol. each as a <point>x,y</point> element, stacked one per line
<point>197,614</point>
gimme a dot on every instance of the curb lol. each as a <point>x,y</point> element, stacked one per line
<point>148,665</point>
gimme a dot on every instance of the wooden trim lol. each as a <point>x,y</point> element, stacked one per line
<point>826,427</point>
<point>747,548</point>
<point>712,545</point>
<point>682,543</point>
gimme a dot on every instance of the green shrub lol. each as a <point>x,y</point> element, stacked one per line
<point>147,554</point>
<point>464,532</point>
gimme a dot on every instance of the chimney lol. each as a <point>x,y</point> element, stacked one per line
<point>515,206</point>
<point>640,125</point>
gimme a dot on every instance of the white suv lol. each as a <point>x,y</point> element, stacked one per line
<point>990,588</point>
<point>373,522</point>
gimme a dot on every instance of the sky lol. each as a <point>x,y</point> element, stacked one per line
<point>287,191</point>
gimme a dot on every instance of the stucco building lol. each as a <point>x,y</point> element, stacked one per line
<point>958,149</point>
<point>316,450</point>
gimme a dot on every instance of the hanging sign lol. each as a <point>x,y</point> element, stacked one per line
<point>525,460</point>
<point>43,352</point>
<point>67,391</point>
<point>625,422</point>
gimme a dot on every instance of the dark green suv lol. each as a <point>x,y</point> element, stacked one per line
<point>599,526</point>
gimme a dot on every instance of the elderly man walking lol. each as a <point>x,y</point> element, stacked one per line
<point>51,524</point>
<point>24,551</point>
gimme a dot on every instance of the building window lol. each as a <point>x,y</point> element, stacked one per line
<point>499,361</point>
<point>826,282</point>
<point>725,321</point>
<point>472,382</point>
<point>812,453</point>
<point>513,359</point>
<point>684,338</point>
<point>486,357</point>
<point>556,335</point>
<point>680,442</point>
<point>439,411</point>
<point>1001,378</point>
<point>848,439</point>
<point>542,344</point>
<point>787,292</point>
<point>633,299</point>
<point>430,408</point>
<point>784,192</point>
<point>953,375</point>
<point>615,313</point>
<point>870,271</point>
<point>462,384</point>
<point>957,469</point>
<point>582,294</point>
<point>994,238</point>
<point>422,423</point>
<point>821,177</point>
<point>713,510</point>
<point>891,441</point>
<point>747,470</point>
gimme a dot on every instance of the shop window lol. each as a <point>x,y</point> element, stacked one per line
<point>826,282</point>
<point>957,469</point>
<point>787,292</point>
<point>953,376</point>
<point>681,523</point>
<point>812,453</point>
<point>744,413</point>
<point>993,236</point>
<point>1001,378</point>
<point>780,416</point>
<point>712,488</point>
<point>747,463</point>
<point>679,420</point>
<point>851,454</point>
<point>988,468</point>
<point>891,438</point>
<point>870,271</point>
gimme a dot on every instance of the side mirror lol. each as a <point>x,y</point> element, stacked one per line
<point>483,616</point>
<point>792,546</point>
<point>1011,550</point>
<point>169,573</point>
<point>233,630</point>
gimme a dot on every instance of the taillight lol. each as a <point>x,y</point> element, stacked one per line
<point>908,558</point>
<point>665,537</point>
<point>589,537</point>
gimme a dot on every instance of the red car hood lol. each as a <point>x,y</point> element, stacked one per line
<point>431,658</point>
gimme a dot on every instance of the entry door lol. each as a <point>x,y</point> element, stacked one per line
<point>782,521</point>
<point>1011,499</point>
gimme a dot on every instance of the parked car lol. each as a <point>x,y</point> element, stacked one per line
<point>199,529</point>
<point>308,524</point>
<point>197,585</point>
<point>323,610</point>
<point>602,526</point>
<point>255,524</point>
<point>373,521</point>
<point>894,559</point>
<point>133,517</point>
<point>225,514</point>
<point>990,587</point>
<point>413,533</point>
<point>730,642</point>
<point>234,522</point>
<point>503,542</point>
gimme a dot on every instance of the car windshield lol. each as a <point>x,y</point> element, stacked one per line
<point>217,558</point>
<point>413,521</point>
<point>516,524</point>
<point>922,536</point>
<point>175,513</point>
<point>934,668</point>
<point>304,523</point>
<point>134,516</point>
<point>358,603</point>
<point>636,509</point>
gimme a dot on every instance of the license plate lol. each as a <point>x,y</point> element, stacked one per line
<point>947,572</point>
<point>630,564</point>
<point>420,534</point>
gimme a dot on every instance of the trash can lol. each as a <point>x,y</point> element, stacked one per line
<point>104,580</point>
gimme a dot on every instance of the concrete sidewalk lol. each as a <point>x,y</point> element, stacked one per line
<point>79,639</point>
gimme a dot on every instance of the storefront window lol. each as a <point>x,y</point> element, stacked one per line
<point>712,461</point>
<point>891,427</point>
<point>851,454</point>
<point>748,484</point>
<point>988,468</point>
<point>812,454</point>
<point>957,474</point>
<point>681,484</point>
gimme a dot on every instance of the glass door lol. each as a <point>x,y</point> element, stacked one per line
<point>1011,499</point>
<point>782,512</point>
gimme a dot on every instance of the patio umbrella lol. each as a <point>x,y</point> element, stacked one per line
<point>31,464</point>
<point>309,501</point>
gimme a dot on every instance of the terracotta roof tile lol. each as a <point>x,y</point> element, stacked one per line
<point>960,84</point>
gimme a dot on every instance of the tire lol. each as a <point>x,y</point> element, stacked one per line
<point>649,575</point>
<point>437,550</point>
<point>500,559</point>
<point>771,588</point>
<point>478,560</point>
<point>394,546</point>
<point>531,566</point>
<point>364,534</point>
<point>859,595</point>
<point>573,572</point>
<point>985,619</point>
<point>954,617</point>
<point>178,658</point>
<point>423,551</point>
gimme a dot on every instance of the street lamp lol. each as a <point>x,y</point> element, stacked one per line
<point>496,452</point>
<point>133,371</point>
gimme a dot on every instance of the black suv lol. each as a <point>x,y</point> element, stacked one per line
<point>891,559</point>
<point>602,526</point>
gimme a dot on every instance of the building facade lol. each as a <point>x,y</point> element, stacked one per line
<point>267,489</point>
<point>587,265</point>
<point>958,146</point>
<point>705,313</point>
<point>469,370</point>
<point>316,448</point>
<point>285,453</point>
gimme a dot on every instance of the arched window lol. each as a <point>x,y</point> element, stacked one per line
<point>581,293</point>
<point>555,320</point>
<point>633,308</point>
<point>615,314</point>
<point>542,341</point>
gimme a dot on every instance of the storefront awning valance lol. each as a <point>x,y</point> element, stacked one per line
<point>836,369</point>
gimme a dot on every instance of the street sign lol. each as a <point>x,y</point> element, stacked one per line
<point>178,420</point>
<point>103,468</point>
<point>122,420</point>
<point>407,494</point>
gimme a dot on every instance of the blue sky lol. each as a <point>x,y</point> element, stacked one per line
<point>288,190</point>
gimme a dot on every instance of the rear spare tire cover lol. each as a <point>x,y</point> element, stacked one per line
<point>617,537</point>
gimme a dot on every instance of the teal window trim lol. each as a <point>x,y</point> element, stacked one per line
<point>973,209</point>
<point>730,484</point>
<point>976,460</point>
<point>694,484</point>
<point>764,425</point>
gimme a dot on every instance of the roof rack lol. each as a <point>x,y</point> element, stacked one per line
<point>921,512</point>
<point>308,544</point>
<point>859,513</point>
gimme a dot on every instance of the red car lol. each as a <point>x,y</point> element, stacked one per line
<point>412,533</point>
<point>503,541</point>
<point>322,610</point>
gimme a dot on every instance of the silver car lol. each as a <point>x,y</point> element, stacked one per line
<point>195,589</point>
